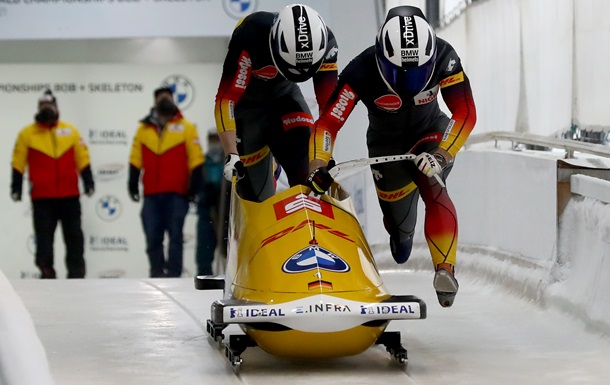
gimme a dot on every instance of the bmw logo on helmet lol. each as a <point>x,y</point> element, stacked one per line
<point>108,208</point>
<point>183,89</point>
<point>239,8</point>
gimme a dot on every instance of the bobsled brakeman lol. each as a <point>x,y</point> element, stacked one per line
<point>301,281</point>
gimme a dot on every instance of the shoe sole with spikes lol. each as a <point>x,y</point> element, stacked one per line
<point>446,287</point>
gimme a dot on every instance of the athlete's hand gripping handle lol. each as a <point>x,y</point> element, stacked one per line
<point>233,165</point>
<point>431,165</point>
<point>320,180</point>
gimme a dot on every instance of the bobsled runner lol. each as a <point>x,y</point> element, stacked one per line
<point>301,281</point>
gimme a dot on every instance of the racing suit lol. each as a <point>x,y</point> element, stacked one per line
<point>398,126</point>
<point>268,112</point>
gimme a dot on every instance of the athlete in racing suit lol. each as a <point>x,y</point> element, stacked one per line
<point>398,81</point>
<point>260,109</point>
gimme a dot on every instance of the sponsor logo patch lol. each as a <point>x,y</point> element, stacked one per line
<point>451,65</point>
<point>343,104</point>
<point>328,67</point>
<point>328,140</point>
<point>315,257</point>
<point>451,80</point>
<point>252,159</point>
<point>393,196</point>
<point>299,202</point>
<point>426,96</point>
<point>389,102</point>
<point>448,129</point>
<point>242,78</point>
<point>267,73</point>
<point>297,119</point>
<point>175,128</point>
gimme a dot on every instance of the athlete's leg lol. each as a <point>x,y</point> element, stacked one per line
<point>252,120</point>
<point>441,225</point>
<point>396,192</point>
<point>288,137</point>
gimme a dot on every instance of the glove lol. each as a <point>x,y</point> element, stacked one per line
<point>430,164</point>
<point>233,165</point>
<point>134,195</point>
<point>320,180</point>
<point>89,190</point>
<point>16,197</point>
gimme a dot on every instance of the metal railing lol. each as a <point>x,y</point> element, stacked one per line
<point>570,146</point>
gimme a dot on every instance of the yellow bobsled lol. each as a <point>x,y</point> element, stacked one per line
<point>301,280</point>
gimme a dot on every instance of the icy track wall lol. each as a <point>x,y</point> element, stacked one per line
<point>22,357</point>
<point>510,232</point>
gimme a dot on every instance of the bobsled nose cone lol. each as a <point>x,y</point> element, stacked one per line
<point>401,250</point>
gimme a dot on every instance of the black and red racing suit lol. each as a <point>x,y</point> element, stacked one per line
<point>397,126</point>
<point>268,112</point>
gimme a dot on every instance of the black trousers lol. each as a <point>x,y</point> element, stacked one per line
<point>47,213</point>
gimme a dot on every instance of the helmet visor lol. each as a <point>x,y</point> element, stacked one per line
<point>406,82</point>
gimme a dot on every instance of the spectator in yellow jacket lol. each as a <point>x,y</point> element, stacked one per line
<point>166,150</point>
<point>54,154</point>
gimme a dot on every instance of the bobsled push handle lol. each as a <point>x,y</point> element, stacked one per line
<point>370,161</point>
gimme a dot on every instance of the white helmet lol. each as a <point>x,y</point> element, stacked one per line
<point>298,42</point>
<point>406,50</point>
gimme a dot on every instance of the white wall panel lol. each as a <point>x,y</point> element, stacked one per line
<point>591,56</point>
<point>546,38</point>
<point>493,58</point>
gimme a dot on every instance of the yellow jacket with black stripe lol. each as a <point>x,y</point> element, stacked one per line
<point>167,156</point>
<point>54,156</point>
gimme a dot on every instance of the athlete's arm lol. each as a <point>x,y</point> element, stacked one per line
<point>234,80</point>
<point>321,143</point>
<point>457,94</point>
<point>325,80</point>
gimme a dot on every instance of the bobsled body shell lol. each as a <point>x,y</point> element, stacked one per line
<point>294,246</point>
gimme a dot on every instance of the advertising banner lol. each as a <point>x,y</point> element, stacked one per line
<point>105,103</point>
<point>93,19</point>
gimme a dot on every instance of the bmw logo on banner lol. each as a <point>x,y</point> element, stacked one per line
<point>183,89</point>
<point>239,8</point>
<point>108,208</point>
<point>315,257</point>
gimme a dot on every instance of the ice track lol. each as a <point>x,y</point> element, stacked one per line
<point>152,331</point>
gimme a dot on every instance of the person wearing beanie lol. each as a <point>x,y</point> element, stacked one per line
<point>54,155</point>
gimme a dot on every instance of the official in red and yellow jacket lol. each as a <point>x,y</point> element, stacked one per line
<point>54,154</point>
<point>166,150</point>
